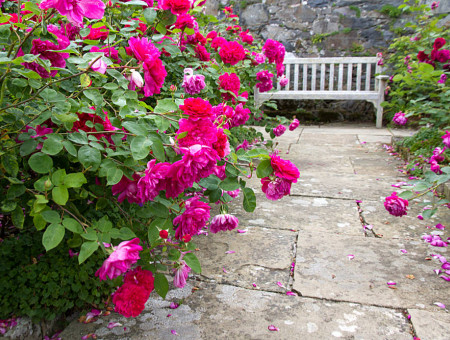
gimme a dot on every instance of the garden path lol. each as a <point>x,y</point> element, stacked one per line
<point>341,268</point>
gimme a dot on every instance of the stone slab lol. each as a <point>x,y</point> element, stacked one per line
<point>381,166</point>
<point>430,325</point>
<point>407,226</point>
<point>350,186</point>
<point>253,260</point>
<point>226,312</point>
<point>370,138</point>
<point>325,139</point>
<point>323,270</point>
<point>301,213</point>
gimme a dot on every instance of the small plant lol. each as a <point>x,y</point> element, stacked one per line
<point>356,10</point>
<point>357,48</point>
<point>391,11</point>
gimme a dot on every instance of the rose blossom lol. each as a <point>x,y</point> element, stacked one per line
<point>218,42</point>
<point>279,130</point>
<point>98,66</point>
<point>177,7</point>
<point>223,222</point>
<point>128,189</point>
<point>240,116</point>
<point>141,277</point>
<point>435,4</point>
<point>197,108</point>
<point>274,51</point>
<point>181,274</point>
<point>295,123</point>
<point>193,84</point>
<point>284,81</point>
<point>399,118</point>
<point>265,81</point>
<point>284,169</point>
<point>395,205</point>
<point>193,219</point>
<point>222,146</point>
<point>201,131</point>
<point>129,300</point>
<point>231,52</point>
<point>153,182</point>
<point>202,53</point>
<point>275,188</point>
<point>76,10</point>
<point>438,155</point>
<point>438,43</point>
<point>442,79</point>
<point>229,82</point>
<point>446,139</point>
<point>136,80</point>
<point>245,37</point>
<point>121,259</point>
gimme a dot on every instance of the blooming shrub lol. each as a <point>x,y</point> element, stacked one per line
<point>120,124</point>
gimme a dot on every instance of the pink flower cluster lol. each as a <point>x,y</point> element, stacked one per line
<point>193,219</point>
<point>223,222</point>
<point>437,53</point>
<point>154,71</point>
<point>399,118</point>
<point>76,10</point>
<point>177,7</point>
<point>295,123</point>
<point>445,267</point>
<point>279,183</point>
<point>395,205</point>
<point>436,158</point>
<point>121,259</point>
<point>265,81</point>
<point>279,130</point>
<point>129,300</point>
<point>435,240</point>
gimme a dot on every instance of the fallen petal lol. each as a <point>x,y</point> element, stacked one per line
<point>439,304</point>
<point>446,278</point>
<point>169,315</point>
<point>224,270</point>
<point>280,284</point>
<point>404,251</point>
<point>173,332</point>
<point>240,231</point>
<point>254,285</point>
<point>230,252</point>
<point>437,271</point>
<point>358,201</point>
<point>351,256</point>
<point>440,226</point>
<point>113,324</point>
<point>273,328</point>
<point>291,293</point>
<point>391,283</point>
<point>173,305</point>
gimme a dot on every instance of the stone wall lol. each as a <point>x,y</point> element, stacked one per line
<point>321,27</point>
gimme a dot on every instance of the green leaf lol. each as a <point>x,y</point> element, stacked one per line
<point>78,138</point>
<point>53,236</point>
<point>406,195</point>
<point>40,163</point>
<point>229,184</point>
<point>165,105</point>
<point>58,177</point>
<point>9,163</point>
<point>149,15</point>
<point>135,128</point>
<point>258,152</point>
<point>114,175</point>
<point>75,180</point>
<point>104,224</point>
<point>39,222</point>
<point>72,225</point>
<point>158,150</point>
<point>52,145</point>
<point>87,249</point>
<point>264,168</point>
<point>249,202</point>
<point>193,262</point>
<point>15,190</point>
<point>51,216</point>
<point>161,285</point>
<point>60,195</point>
<point>90,235</point>
<point>28,147</point>
<point>158,209</point>
<point>210,183</point>
<point>428,213</point>
<point>140,147</point>
<point>18,217</point>
<point>126,233</point>
<point>89,157</point>
<point>8,206</point>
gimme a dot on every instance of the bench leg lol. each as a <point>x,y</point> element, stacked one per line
<point>379,120</point>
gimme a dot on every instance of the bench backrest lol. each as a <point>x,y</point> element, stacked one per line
<point>331,74</point>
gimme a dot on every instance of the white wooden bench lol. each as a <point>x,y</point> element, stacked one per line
<point>344,78</point>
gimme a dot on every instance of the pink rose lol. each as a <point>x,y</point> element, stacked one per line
<point>121,259</point>
<point>395,205</point>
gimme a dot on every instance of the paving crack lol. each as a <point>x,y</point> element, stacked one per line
<point>367,228</point>
<point>321,196</point>
<point>293,263</point>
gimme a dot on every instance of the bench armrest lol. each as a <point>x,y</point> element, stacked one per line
<point>382,77</point>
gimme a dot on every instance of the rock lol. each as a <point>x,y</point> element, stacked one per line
<point>254,16</point>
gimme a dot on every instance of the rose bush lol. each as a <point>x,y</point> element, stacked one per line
<point>120,123</point>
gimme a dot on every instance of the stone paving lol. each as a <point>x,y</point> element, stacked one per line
<point>316,228</point>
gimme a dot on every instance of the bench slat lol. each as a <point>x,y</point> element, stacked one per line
<point>296,77</point>
<point>313,76</point>
<point>305,77</point>
<point>349,76</point>
<point>331,95</point>
<point>368,76</point>
<point>334,60</point>
<point>331,80</point>
<point>322,77</point>
<point>288,76</point>
<point>341,76</point>
<point>358,77</point>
